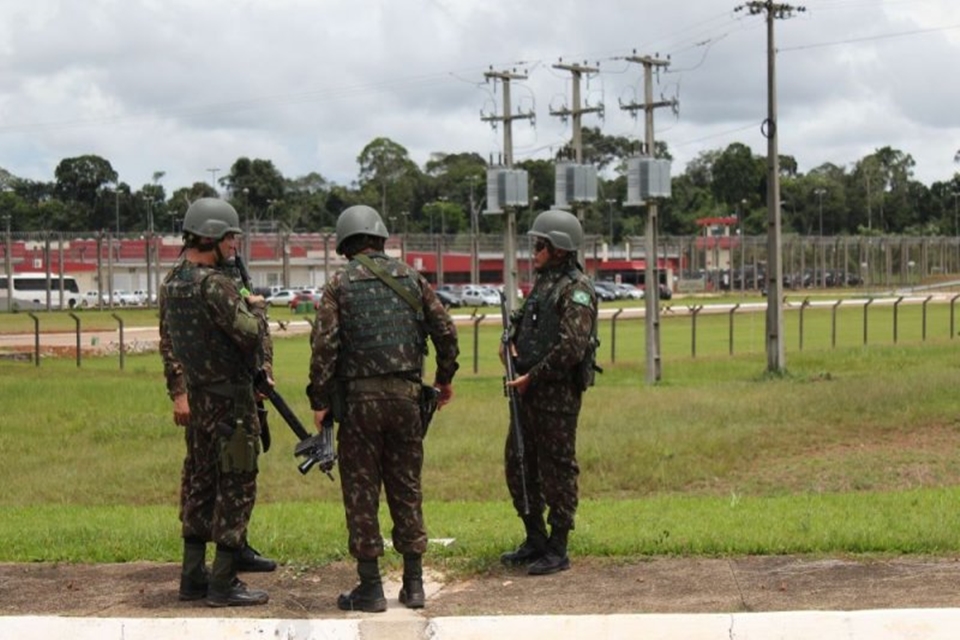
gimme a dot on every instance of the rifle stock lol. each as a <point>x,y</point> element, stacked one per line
<point>514,397</point>
<point>317,449</point>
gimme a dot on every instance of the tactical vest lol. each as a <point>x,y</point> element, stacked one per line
<point>207,354</point>
<point>539,327</point>
<point>380,333</point>
<point>539,323</point>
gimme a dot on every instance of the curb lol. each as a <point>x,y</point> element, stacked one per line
<point>887,624</point>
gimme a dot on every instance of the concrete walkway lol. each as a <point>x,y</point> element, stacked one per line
<point>399,624</point>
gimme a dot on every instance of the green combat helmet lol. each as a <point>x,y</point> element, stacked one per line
<point>211,218</point>
<point>561,228</point>
<point>359,220</point>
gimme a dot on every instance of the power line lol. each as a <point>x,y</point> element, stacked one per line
<point>884,36</point>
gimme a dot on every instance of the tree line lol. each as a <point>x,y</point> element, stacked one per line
<point>876,195</point>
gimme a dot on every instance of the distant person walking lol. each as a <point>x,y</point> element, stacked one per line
<point>369,342</point>
<point>553,340</point>
<point>215,335</point>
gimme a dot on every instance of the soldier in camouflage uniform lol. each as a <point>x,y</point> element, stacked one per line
<point>215,336</point>
<point>369,342</point>
<point>553,339</point>
<point>250,559</point>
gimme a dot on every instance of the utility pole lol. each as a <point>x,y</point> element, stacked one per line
<point>576,113</point>
<point>776,357</point>
<point>213,178</point>
<point>510,232</point>
<point>651,274</point>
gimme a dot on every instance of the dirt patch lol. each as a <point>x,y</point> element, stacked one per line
<point>592,586</point>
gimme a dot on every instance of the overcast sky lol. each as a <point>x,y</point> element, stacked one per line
<point>186,86</point>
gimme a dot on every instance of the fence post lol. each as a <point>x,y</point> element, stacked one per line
<point>803,305</point>
<point>953,303</point>
<point>929,298</point>
<point>833,331</point>
<point>122,349</point>
<point>694,310</point>
<point>36,338</point>
<point>76,319</point>
<point>865,306</point>
<point>732,311</point>
<point>476,338</point>
<point>896,311</point>
<point>613,335</point>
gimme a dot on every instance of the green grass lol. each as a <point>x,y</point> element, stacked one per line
<point>851,451</point>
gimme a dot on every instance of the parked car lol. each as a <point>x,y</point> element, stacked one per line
<point>450,292</point>
<point>143,297</point>
<point>473,295</point>
<point>605,291</point>
<point>281,298</point>
<point>125,298</point>
<point>90,299</point>
<point>448,299</point>
<point>629,291</point>
<point>301,297</point>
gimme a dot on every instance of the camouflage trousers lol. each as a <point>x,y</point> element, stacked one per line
<point>550,461</point>
<point>379,443</point>
<point>219,485</point>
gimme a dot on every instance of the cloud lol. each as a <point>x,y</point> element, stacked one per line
<point>182,86</point>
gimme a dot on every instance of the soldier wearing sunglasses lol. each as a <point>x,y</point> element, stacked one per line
<point>554,340</point>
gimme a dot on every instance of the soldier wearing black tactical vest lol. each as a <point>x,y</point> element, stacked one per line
<point>215,335</point>
<point>368,345</point>
<point>553,336</point>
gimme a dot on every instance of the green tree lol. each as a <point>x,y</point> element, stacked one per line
<point>306,204</point>
<point>736,175</point>
<point>80,183</point>
<point>253,185</point>
<point>387,171</point>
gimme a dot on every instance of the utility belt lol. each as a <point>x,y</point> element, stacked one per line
<point>395,385</point>
<point>406,385</point>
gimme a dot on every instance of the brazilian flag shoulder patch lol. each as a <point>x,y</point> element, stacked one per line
<point>581,297</point>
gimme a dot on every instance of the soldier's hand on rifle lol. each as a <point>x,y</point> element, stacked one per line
<point>446,394</point>
<point>181,410</point>
<point>318,416</point>
<point>268,378</point>
<point>520,383</point>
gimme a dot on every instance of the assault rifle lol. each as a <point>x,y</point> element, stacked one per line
<point>316,449</point>
<point>261,409</point>
<point>514,396</point>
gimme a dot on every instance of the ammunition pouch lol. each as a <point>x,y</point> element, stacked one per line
<point>239,439</point>
<point>239,448</point>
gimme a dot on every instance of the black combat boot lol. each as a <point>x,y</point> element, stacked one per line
<point>250,561</point>
<point>412,595</point>
<point>194,577</point>
<point>533,547</point>
<point>226,590</point>
<point>555,559</point>
<point>368,595</point>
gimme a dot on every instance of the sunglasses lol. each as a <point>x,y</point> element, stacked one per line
<point>540,245</point>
